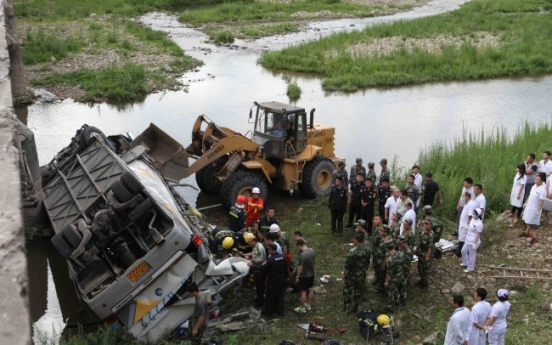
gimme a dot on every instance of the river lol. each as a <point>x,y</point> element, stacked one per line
<point>373,124</point>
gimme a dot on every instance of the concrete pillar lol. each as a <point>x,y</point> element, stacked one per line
<point>18,84</point>
<point>14,318</point>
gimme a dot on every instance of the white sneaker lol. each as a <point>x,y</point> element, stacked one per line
<point>308,307</point>
<point>463,265</point>
<point>467,271</point>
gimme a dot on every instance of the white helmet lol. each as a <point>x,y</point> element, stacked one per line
<point>274,228</point>
<point>256,190</point>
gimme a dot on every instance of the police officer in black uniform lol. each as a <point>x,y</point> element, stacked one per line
<point>236,216</point>
<point>338,204</point>
<point>355,206</point>
<point>384,192</point>
<point>275,270</point>
<point>368,200</point>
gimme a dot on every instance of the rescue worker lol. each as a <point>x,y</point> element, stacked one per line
<point>384,192</point>
<point>371,174</point>
<point>218,241</point>
<point>236,216</point>
<point>425,248</point>
<point>355,206</point>
<point>337,205</point>
<point>283,240</point>
<point>394,281</point>
<point>258,257</point>
<point>368,200</point>
<point>254,207</point>
<point>357,169</point>
<point>341,172</point>
<point>354,274</point>
<point>380,258</point>
<point>267,220</point>
<point>271,238</point>
<point>385,172</point>
<point>200,311</point>
<point>436,227</point>
<point>274,269</point>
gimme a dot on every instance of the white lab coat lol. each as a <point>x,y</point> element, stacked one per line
<point>457,328</point>
<point>479,314</point>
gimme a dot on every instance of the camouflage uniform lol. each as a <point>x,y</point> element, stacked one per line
<point>408,256</point>
<point>395,270</point>
<point>426,241</point>
<point>410,240</point>
<point>380,253</point>
<point>385,173</point>
<point>395,230</point>
<point>344,177</point>
<point>413,193</point>
<point>354,287</point>
<point>355,170</point>
<point>437,228</point>
<point>371,175</point>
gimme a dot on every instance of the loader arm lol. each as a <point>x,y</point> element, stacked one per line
<point>231,143</point>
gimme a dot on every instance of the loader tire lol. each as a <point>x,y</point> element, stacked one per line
<point>212,185</point>
<point>241,182</point>
<point>199,179</point>
<point>317,177</point>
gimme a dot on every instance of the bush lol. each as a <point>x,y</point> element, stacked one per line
<point>224,37</point>
<point>293,92</point>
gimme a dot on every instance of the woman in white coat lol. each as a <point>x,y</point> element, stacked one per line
<point>533,207</point>
<point>496,323</point>
<point>473,240</point>
<point>518,192</point>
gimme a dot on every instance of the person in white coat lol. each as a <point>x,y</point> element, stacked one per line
<point>467,210</point>
<point>517,194</point>
<point>458,324</point>
<point>473,240</point>
<point>533,207</point>
<point>496,323</point>
<point>479,314</point>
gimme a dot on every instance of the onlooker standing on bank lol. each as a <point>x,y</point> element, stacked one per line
<point>385,172</point>
<point>531,172</point>
<point>479,314</point>
<point>431,188</point>
<point>459,322</point>
<point>305,277</point>
<point>496,323</point>
<point>533,207</point>
<point>467,187</point>
<point>517,194</point>
<point>473,240</point>
<point>480,200</point>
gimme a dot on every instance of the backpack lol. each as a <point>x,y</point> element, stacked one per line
<point>368,323</point>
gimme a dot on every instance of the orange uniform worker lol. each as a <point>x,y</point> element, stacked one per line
<point>253,207</point>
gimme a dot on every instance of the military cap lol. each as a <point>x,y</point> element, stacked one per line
<point>401,239</point>
<point>383,161</point>
<point>361,222</point>
<point>359,160</point>
<point>427,221</point>
<point>371,164</point>
<point>342,162</point>
<point>428,209</point>
<point>386,228</point>
<point>399,214</point>
<point>391,246</point>
<point>408,220</point>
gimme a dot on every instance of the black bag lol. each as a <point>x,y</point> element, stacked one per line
<point>368,323</point>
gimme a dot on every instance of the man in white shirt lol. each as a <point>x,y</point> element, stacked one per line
<point>392,204</point>
<point>480,199</point>
<point>418,179</point>
<point>545,165</point>
<point>410,214</point>
<point>458,324</point>
<point>467,187</point>
<point>479,314</point>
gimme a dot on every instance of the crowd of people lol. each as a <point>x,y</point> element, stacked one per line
<point>404,230</point>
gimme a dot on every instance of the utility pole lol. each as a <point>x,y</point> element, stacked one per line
<point>18,85</point>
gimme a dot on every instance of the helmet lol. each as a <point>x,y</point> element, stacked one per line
<point>248,236</point>
<point>241,200</point>
<point>256,190</point>
<point>228,243</point>
<point>384,320</point>
<point>274,228</point>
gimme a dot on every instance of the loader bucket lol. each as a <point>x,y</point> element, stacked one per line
<point>169,157</point>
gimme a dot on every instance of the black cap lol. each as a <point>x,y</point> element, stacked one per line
<point>273,246</point>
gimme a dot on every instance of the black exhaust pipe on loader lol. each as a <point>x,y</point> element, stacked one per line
<point>311,126</point>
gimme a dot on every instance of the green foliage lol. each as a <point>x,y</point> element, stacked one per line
<point>268,30</point>
<point>293,92</point>
<point>488,158</point>
<point>159,38</point>
<point>124,83</point>
<point>39,47</point>
<point>525,40</point>
<point>223,37</point>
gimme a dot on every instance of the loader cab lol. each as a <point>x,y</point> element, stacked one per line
<point>281,129</point>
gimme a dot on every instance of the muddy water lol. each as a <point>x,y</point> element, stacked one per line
<point>372,124</point>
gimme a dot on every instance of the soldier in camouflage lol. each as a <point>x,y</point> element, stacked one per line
<point>409,237</point>
<point>424,251</point>
<point>396,225</point>
<point>436,227</point>
<point>403,247</point>
<point>380,258</point>
<point>341,172</point>
<point>385,172</point>
<point>360,228</point>
<point>357,169</point>
<point>371,174</point>
<point>368,200</point>
<point>354,274</point>
<point>394,281</point>
<point>412,191</point>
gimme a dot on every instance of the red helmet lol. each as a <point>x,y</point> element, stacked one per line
<point>241,200</point>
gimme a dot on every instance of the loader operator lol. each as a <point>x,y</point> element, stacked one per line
<point>253,207</point>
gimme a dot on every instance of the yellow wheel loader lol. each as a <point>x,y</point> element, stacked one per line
<point>283,150</point>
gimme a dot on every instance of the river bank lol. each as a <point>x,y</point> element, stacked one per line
<point>483,39</point>
<point>95,52</point>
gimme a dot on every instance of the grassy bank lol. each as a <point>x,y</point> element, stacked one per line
<point>490,158</point>
<point>483,39</point>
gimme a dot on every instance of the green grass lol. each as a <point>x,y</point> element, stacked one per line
<point>223,37</point>
<point>158,38</point>
<point>121,83</point>
<point>41,46</point>
<point>293,92</point>
<point>490,158</point>
<point>524,42</point>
